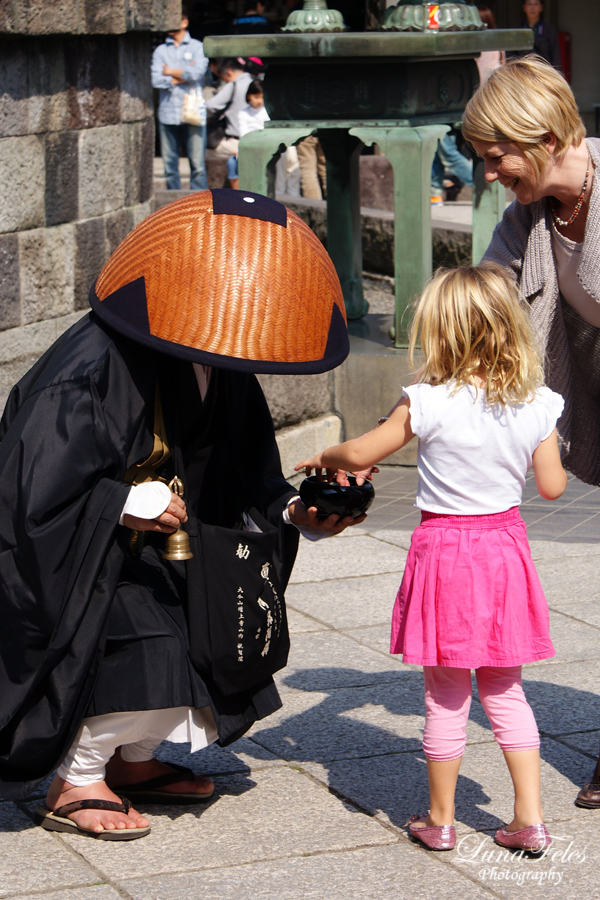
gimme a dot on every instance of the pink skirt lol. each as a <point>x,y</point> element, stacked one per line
<point>470,595</point>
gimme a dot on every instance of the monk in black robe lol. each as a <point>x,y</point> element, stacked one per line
<point>97,626</point>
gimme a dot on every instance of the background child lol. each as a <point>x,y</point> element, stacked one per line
<point>253,118</point>
<point>470,597</point>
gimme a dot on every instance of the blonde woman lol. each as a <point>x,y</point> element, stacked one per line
<point>470,597</point>
<point>525,124</point>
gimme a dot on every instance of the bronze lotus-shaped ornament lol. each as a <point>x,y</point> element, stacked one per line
<point>413,15</point>
<point>314,17</point>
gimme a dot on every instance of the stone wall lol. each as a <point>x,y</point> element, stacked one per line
<point>76,151</point>
<point>42,17</point>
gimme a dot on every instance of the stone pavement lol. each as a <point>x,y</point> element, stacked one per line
<point>312,803</point>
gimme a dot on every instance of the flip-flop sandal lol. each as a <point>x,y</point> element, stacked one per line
<point>148,791</point>
<point>57,821</point>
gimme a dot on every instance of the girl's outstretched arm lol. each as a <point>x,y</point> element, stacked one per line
<point>550,477</point>
<point>364,452</point>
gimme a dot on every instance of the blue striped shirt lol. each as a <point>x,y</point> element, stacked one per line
<point>188,56</point>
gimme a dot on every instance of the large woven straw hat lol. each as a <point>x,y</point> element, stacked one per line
<point>229,279</point>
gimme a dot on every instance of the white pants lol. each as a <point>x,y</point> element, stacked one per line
<point>287,173</point>
<point>138,734</point>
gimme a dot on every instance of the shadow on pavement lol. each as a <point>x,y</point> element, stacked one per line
<point>392,777</point>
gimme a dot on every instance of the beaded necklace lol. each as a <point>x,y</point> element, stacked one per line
<point>578,205</point>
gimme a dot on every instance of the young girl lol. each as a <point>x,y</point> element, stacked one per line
<point>470,597</point>
<point>253,118</point>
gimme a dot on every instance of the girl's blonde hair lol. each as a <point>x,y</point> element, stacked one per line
<point>522,102</point>
<point>473,322</point>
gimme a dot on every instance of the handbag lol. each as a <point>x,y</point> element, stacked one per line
<point>236,612</point>
<point>236,609</point>
<point>193,110</point>
<point>215,133</point>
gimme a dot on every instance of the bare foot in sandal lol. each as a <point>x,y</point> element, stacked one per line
<point>61,793</point>
<point>122,774</point>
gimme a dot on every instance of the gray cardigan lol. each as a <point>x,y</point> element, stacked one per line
<point>523,242</point>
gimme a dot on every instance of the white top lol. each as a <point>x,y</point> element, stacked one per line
<point>251,119</point>
<point>473,458</point>
<point>567,256</point>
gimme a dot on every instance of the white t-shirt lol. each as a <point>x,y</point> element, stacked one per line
<point>473,458</point>
<point>252,119</point>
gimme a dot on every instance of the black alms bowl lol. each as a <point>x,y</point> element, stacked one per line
<point>330,497</point>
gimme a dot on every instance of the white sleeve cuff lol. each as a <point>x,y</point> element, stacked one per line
<point>311,534</point>
<point>146,501</point>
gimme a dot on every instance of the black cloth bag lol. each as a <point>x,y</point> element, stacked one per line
<point>239,634</point>
<point>236,578</point>
<point>215,132</point>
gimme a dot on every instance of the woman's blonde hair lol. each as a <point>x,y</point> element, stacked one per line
<point>473,322</point>
<point>522,102</point>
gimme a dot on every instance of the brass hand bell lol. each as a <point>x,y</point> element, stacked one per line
<point>177,545</point>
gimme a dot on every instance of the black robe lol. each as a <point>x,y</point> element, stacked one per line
<point>84,628</point>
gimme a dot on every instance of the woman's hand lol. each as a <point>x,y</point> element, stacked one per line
<point>167,523</point>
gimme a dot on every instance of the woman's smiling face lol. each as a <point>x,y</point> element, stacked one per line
<point>506,163</point>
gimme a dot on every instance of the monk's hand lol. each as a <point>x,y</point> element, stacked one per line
<point>307,518</point>
<point>167,523</point>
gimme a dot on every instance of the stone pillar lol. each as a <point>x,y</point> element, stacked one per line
<point>344,237</point>
<point>76,152</point>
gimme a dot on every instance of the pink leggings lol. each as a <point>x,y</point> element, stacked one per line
<point>448,700</point>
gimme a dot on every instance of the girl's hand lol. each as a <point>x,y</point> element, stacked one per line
<point>315,463</point>
<point>361,477</point>
<point>362,454</point>
<point>167,523</point>
<point>339,475</point>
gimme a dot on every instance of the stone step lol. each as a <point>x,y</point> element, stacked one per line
<point>376,180</point>
<point>216,172</point>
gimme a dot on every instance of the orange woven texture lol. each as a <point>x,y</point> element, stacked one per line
<point>230,285</point>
